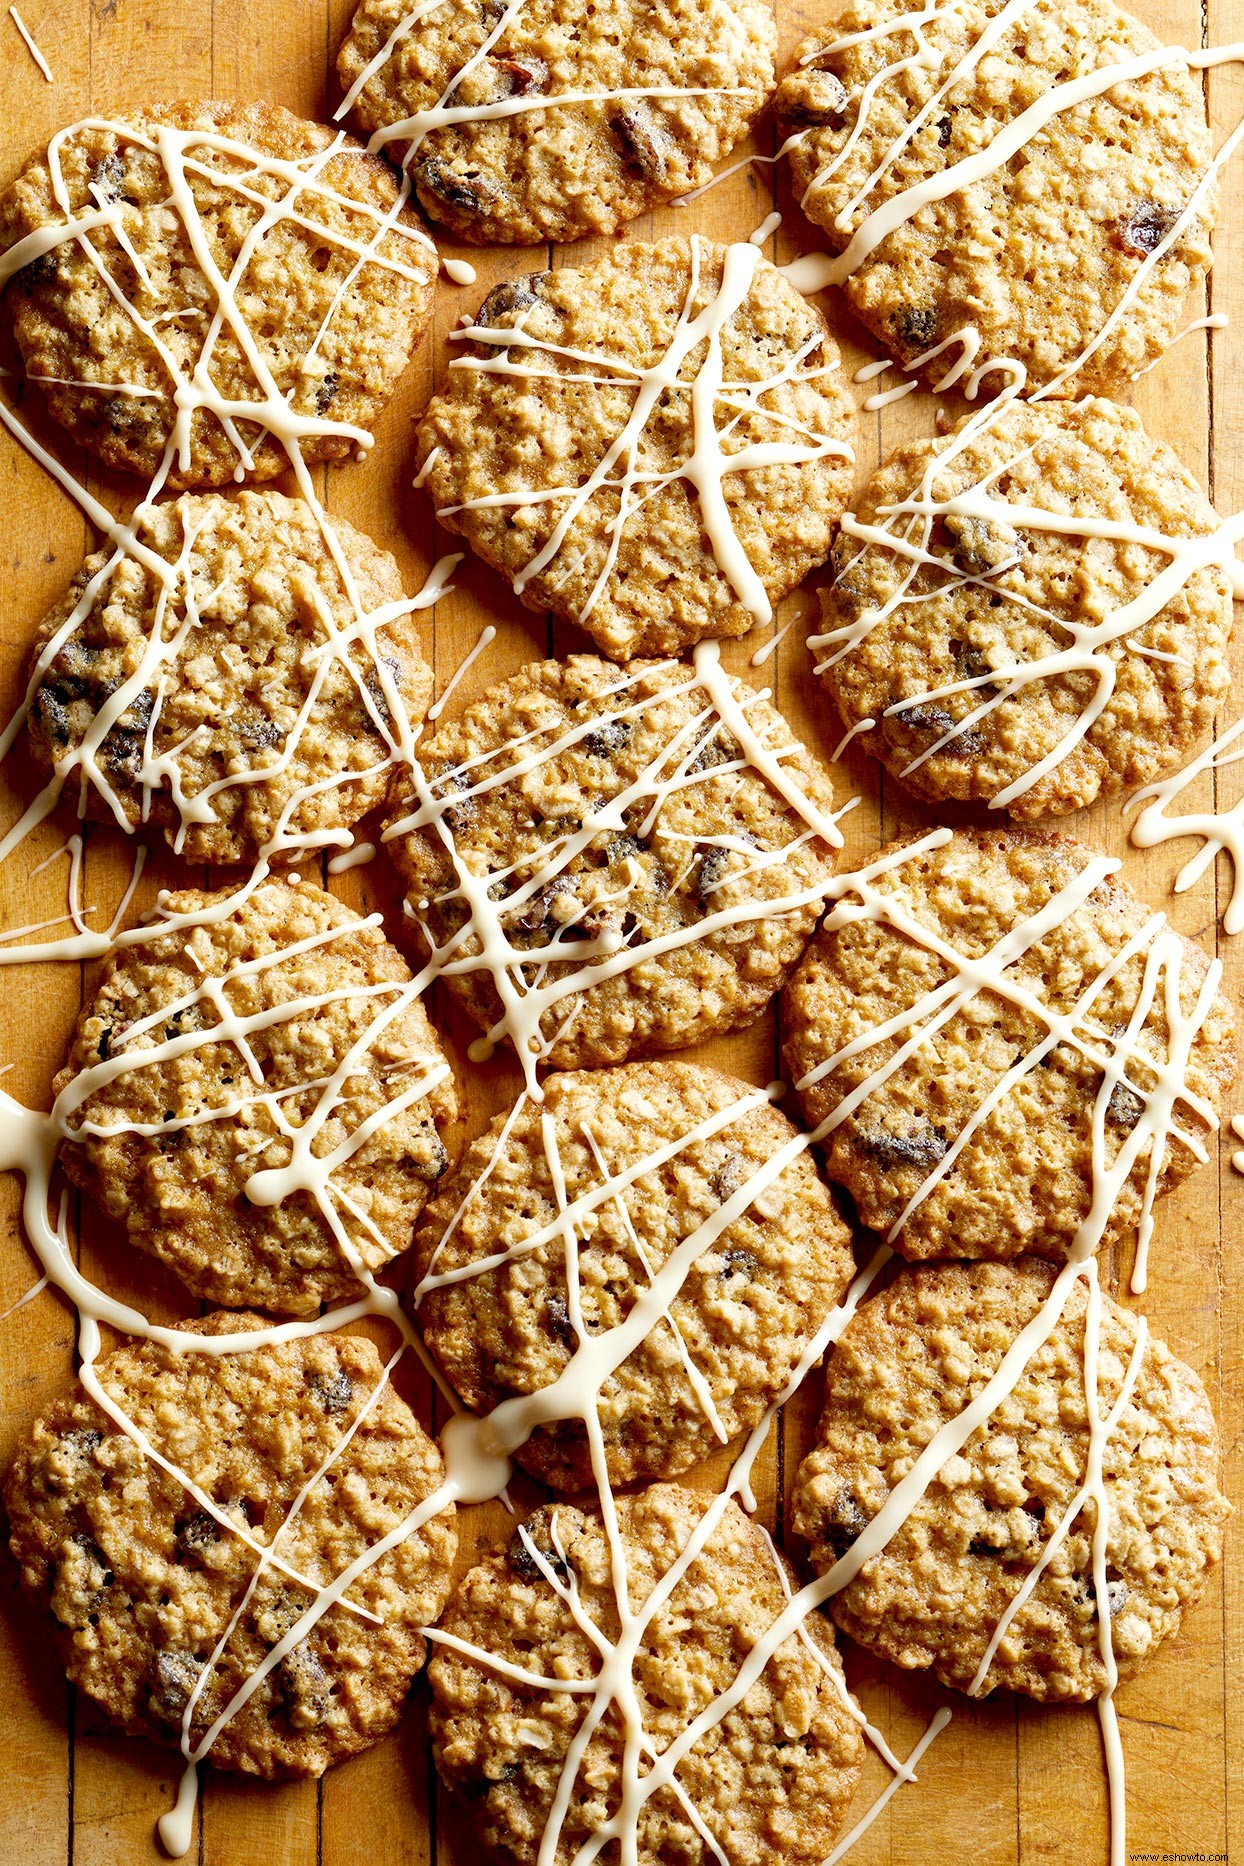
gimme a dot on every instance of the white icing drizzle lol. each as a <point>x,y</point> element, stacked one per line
<point>356,857</point>
<point>860,726</point>
<point>767,228</point>
<point>708,464</point>
<point>1237,1128</point>
<point>31,47</point>
<point>1219,831</point>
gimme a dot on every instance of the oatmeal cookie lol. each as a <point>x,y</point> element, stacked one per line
<point>754,1297</point>
<point>913,1116</point>
<point>258,737</point>
<point>331,300</point>
<point>882,109</point>
<point>770,1781</point>
<point>592,480</point>
<point>173,1145</point>
<point>143,1580</point>
<point>655,929</point>
<point>658,92</point>
<point>998,595</point>
<point>910,1361</point>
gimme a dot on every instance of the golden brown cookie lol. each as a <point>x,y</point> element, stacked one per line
<point>1060,242</point>
<point>644,1157</point>
<point>1011,663</point>
<point>573,117</point>
<point>769,1781</point>
<point>909,1362</point>
<point>658,454</point>
<point>314,321</point>
<point>988,1112</point>
<point>144,1580</point>
<point>234,700</point>
<point>601,846</point>
<point>173,1131</point>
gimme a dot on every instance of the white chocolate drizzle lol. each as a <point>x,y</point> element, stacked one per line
<point>31,46</point>
<point>1219,830</point>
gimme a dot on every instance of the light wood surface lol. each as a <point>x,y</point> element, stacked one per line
<point>1008,1781</point>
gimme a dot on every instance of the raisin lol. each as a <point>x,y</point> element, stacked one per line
<point>471,194</point>
<point>604,740</point>
<point>728,1177</point>
<point>816,100</point>
<point>1146,227</point>
<point>558,1315</point>
<point>40,271</point>
<point>461,814</point>
<point>915,330</point>
<point>521,77</point>
<point>971,664</point>
<point>717,748</point>
<point>645,143</point>
<point>327,391</point>
<point>713,865</point>
<point>524,1563</point>
<point>177,1673</point>
<point>258,732</point>
<point>108,176</point>
<point>1125,1107</point>
<point>924,1148</point>
<point>936,719</point>
<point>623,848</point>
<point>83,1442</point>
<point>371,681</point>
<point>846,1521</point>
<point>306,1688</point>
<point>511,295</point>
<point>196,1533</point>
<point>738,1263</point>
<point>943,132</point>
<point>333,1391</point>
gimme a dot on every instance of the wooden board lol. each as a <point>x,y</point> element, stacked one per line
<point>1008,1781</point>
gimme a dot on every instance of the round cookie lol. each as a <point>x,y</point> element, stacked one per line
<point>770,1781</point>
<point>606,494</point>
<point>908,1363</point>
<point>331,301</point>
<point>658,92</point>
<point>174,1142</point>
<point>256,744</point>
<point>144,1581</point>
<point>999,596</point>
<point>914,1121</point>
<point>755,1295</point>
<point>667,913</point>
<point>882,110</point>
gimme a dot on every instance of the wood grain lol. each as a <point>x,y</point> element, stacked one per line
<point>1008,1781</point>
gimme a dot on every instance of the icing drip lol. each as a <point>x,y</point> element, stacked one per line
<point>31,47</point>
<point>708,464</point>
<point>1219,831</point>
